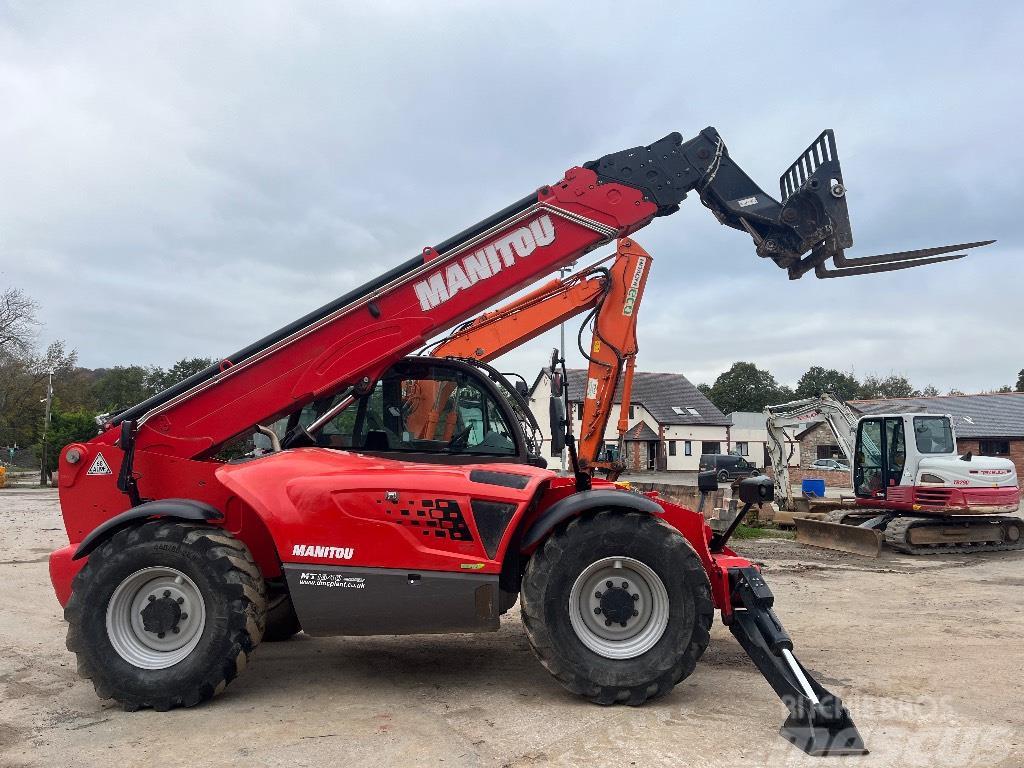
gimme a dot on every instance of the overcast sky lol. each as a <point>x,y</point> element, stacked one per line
<point>178,179</point>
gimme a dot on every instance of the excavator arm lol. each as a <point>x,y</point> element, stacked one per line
<point>824,408</point>
<point>612,294</point>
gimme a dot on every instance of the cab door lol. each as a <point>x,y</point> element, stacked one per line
<point>879,457</point>
<point>869,465</point>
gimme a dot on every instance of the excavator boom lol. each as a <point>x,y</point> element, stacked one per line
<point>612,295</point>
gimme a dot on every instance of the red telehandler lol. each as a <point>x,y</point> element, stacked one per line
<point>181,556</point>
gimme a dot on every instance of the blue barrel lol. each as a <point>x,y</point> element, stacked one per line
<point>813,486</point>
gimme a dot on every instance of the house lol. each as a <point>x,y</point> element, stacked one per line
<point>671,423</point>
<point>817,441</point>
<point>990,424</point>
<point>748,437</point>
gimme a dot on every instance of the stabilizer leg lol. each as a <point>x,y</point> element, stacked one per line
<point>818,722</point>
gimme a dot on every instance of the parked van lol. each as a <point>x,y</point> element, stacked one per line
<point>727,467</point>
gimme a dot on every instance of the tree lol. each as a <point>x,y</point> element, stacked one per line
<point>1003,389</point>
<point>1020,381</point>
<point>745,387</point>
<point>121,387</point>
<point>17,322</point>
<point>875,388</point>
<point>930,391</point>
<point>181,370</point>
<point>66,427</point>
<point>818,380</point>
<point>956,392</point>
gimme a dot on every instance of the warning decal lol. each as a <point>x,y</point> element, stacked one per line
<point>99,466</point>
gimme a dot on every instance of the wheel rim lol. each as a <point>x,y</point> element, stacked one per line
<point>598,611</point>
<point>155,617</point>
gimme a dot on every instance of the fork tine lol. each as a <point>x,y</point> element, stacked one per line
<point>873,269</point>
<point>922,253</point>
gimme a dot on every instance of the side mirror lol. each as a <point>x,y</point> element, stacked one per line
<point>556,417</point>
<point>756,490</point>
<point>707,482</point>
<point>523,389</point>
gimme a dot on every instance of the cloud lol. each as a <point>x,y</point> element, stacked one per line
<point>179,180</point>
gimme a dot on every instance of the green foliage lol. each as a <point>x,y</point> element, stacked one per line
<point>875,388</point>
<point>121,387</point>
<point>745,387</point>
<point>181,370</point>
<point>1020,381</point>
<point>66,427</point>
<point>818,380</point>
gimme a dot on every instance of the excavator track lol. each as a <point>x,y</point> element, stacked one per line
<point>949,535</point>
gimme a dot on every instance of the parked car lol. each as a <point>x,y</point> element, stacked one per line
<point>727,467</point>
<point>830,465</point>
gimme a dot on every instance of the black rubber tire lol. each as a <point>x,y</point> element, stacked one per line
<point>282,623</point>
<point>232,587</point>
<point>723,476</point>
<point>547,584</point>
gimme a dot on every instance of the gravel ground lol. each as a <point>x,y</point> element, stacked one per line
<point>925,651</point>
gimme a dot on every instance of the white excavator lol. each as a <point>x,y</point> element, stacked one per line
<point>912,489</point>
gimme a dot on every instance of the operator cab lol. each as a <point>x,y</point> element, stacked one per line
<point>884,444</point>
<point>428,410</point>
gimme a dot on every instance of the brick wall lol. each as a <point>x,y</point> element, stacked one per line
<point>832,479</point>
<point>1016,452</point>
<point>809,442</point>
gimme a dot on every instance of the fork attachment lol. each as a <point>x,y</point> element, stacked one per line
<point>818,722</point>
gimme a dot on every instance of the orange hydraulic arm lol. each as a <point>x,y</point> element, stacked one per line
<point>613,293</point>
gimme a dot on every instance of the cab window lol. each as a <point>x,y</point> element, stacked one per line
<point>868,477</point>
<point>933,434</point>
<point>420,408</point>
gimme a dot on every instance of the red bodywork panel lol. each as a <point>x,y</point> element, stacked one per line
<point>327,507</point>
<point>947,500</point>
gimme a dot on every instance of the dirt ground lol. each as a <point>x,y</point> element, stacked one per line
<point>925,651</point>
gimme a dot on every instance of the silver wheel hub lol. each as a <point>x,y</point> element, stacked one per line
<point>155,617</point>
<point>618,607</point>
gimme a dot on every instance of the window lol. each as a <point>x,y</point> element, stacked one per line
<point>710,447</point>
<point>610,452</point>
<point>687,448</point>
<point>632,411</point>
<point>421,408</point>
<point>678,411</point>
<point>897,448</point>
<point>994,447</point>
<point>933,434</point>
<point>743,449</point>
<point>693,411</point>
<point>671,447</point>
<point>867,479</point>
<point>579,411</point>
<point>828,451</point>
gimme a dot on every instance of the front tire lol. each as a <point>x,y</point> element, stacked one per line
<point>165,614</point>
<point>629,642</point>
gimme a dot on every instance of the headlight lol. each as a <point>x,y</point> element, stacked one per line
<point>932,479</point>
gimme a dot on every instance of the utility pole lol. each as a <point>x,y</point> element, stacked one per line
<point>43,474</point>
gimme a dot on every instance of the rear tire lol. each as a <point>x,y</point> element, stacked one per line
<point>666,582</point>
<point>195,579</point>
<point>723,476</point>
